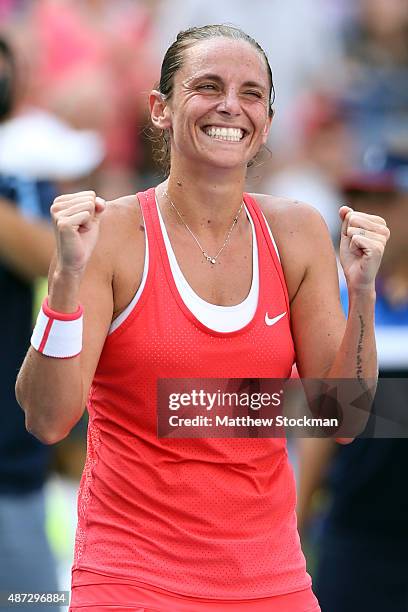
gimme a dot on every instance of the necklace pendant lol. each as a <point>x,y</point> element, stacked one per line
<point>210,259</point>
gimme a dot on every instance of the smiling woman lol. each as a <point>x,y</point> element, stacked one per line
<point>194,278</point>
<point>211,83</point>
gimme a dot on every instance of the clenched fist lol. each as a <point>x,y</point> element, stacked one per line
<point>363,239</point>
<point>76,221</point>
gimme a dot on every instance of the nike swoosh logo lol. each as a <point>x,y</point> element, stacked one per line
<point>269,321</point>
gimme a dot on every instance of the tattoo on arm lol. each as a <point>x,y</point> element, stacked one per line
<point>359,361</point>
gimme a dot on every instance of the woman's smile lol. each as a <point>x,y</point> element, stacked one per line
<point>223,133</point>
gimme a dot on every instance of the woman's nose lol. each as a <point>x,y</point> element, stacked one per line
<point>230,103</point>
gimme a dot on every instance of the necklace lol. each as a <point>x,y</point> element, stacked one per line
<point>209,258</point>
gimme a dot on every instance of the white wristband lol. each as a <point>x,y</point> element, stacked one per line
<point>57,334</point>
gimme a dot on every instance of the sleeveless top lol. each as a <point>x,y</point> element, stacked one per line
<point>212,518</point>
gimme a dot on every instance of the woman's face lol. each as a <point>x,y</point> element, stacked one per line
<point>218,113</point>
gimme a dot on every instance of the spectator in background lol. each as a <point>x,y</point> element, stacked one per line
<point>31,138</point>
<point>92,67</point>
<point>26,245</point>
<point>33,164</point>
<point>362,562</point>
<point>375,71</point>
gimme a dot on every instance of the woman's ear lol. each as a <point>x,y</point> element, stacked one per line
<point>159,110</point>
<point>267,128</point>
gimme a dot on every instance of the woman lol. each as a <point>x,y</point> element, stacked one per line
<point>184,281</point>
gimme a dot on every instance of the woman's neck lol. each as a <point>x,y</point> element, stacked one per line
<point>206,200</point>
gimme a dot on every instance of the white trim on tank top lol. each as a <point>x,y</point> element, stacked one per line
<point>218,318</point>
<point>215,317</point>
<point>272,238</point>
<point>125,313</point>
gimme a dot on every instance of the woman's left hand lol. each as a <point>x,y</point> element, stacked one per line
<point>363,239</point>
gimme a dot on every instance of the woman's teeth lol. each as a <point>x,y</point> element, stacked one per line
<point>232,134</point>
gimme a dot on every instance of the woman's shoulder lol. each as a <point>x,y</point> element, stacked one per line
<point>122,217</point>
<point>287,212</point>
<point>123,207</point>
<point>294,224</point>
<point>298,230</point>
<point>121,247</point>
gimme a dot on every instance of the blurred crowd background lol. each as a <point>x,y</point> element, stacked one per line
<point>74,81</point>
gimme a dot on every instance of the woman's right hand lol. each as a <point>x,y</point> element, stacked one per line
<point>76,221</point>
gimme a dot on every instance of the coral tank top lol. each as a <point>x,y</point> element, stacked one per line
<point>208,518</point>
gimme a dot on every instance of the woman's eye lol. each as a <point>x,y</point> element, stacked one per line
<point>207,86</point>
<point>256,94</point>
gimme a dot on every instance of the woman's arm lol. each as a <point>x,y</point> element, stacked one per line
<point>53,391</point>
<point>326,345</point>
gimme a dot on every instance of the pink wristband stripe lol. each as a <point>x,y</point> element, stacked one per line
<point>61,316</point>
<point>45,336</point>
